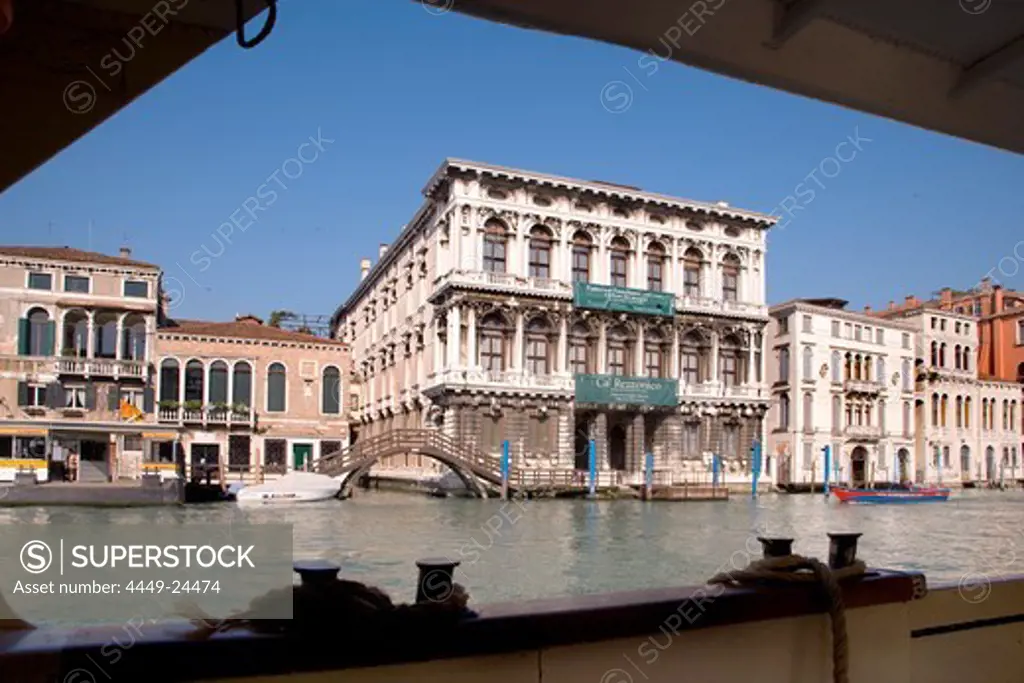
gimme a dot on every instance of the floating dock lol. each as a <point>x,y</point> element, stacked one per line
<point>99,494</point>
<point>689,493</point>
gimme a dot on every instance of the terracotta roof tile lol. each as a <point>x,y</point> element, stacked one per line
<point>69,254</point>
<point>243,330</point>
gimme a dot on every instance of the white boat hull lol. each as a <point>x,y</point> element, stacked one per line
<point>244,496</point>
<point>297,487</point>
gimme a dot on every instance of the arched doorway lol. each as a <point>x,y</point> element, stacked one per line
<point>990,464</point>
<point>903,465</point>
<point>965,462</point>
<point>858,467</point>
<point>617,448</point>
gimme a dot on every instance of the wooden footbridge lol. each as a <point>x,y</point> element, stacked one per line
<point>480,472</point>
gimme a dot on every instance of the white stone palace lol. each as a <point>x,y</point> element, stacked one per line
<point>549,312</point>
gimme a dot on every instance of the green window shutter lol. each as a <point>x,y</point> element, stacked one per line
<point>49,332</point>
<point>22,393</point>
<point>90,396</point>
<point>113,398</point>
<point>147,400</point>
<point>23,328</point>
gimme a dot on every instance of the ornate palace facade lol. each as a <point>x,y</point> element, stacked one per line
<point>548,312</point>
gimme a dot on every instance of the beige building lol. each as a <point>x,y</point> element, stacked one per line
<point>549,312</point>
<point>76,349</point>
<point>253,398</point>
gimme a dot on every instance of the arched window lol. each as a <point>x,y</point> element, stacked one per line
<point>105,326</point>
<point>581,248</point>
<point>691,354</point>
<point>959,412</point>
<point>837,367</point>
<point>905,372</point>
<point>1006,413</point>
<point>331,388</point>
<point>618,261</point>
<point>538,346</point>
<point>935,410</point>
<point>620,348</point>
<point>1020,373</point>
<point>966,363</point>
<point>655,355</point>
<point>967,412</point>
<point>956,356</point>
<point>942,355</point>
<point>935,354</point>
<point>655,267</point>
<point>945,409</point>
<point>580,353</point>
<point>194,381</point>
<point>784,411</point>
<point>170,380</point>
<point>241,385</point>
<point>881,417</point>
<point>808,412</point>
<point>540,252</point>
<point>729,361</point>
<point>218,383</point>
<point>880,370</point>
<point>277,388</point>
<point>495,246</point>
<point>76,334</point>
<point>984,413</point>
<point>493,333</point>
<point>784,364</point>
<point>730,277</point>
<point>808,363</point>
<point>906,418</point>
<point>692,265</point>
<point>133,338</point>
<point>837,413</point>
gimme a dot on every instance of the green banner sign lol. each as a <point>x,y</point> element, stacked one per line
<point>625,299</point>
<point>650,391</point>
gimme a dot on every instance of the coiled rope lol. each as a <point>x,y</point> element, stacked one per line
<point>795,569</point>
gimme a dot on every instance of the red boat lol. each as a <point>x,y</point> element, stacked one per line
<point>910,495</point>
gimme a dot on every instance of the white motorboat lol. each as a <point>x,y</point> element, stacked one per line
<point>296,487</point>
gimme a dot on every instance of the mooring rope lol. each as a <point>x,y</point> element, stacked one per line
<point>794,569</point>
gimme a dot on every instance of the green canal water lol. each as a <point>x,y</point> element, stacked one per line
<point>549,548</point>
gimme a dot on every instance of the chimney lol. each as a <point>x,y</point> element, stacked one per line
<point>248,319</point>
<point>998,305</point>
<point>364,268</point>
<point>910,300</point>
<point>126,252</point>
<point>986,283</point>
<point>946,299</point>
<point>892,305</point>
<point>867,308</point>
<point>383,250</point>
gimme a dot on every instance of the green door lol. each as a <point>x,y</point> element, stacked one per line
<point>303,455</point>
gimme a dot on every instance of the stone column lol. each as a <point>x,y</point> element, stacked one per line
<point>562,365</point>
<point>674,363</point>
<point>471,359</point>
<point>714,356</point>
<point>673,283</point>
<point>638,357</point>
<point>118,342</point>
<point>637,275</point>
<point>517,343</point>
<point>635,448</point>
<point>454,336</point>
<point>90,339</point>
<point>668,449</point>
<point>602,348</point>
<point>750,355</point>
<point>563,263</point>
<point>599,269</point>
<point>438,358</point>
<point>599,434</point>
<point>566,441</point>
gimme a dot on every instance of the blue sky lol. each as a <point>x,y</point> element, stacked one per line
<point>398,88</point>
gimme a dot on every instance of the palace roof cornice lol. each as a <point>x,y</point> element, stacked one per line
<point>842,314</point>
<point>609,190</point>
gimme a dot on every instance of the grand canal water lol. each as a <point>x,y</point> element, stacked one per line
<point>552,548</point>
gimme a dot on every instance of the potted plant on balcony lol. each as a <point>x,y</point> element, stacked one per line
<point>193,407</point>
<point>241,410</point>
<point>168,405</point>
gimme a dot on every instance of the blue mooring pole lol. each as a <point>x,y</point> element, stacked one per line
<point>504,469</point>
<point>714,469</point>
<point>827,450</point>
<point>755,465</point>
<point>648,475</point>
<point>592,450</point>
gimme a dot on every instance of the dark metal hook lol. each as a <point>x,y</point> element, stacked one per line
<point>268,25</point>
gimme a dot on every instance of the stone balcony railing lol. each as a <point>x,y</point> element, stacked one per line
<point>505,281</point>
<point>863,386</point>
<point>707,304</point>
<point>86,367</point>
<point>205,416</point>
<point>863,431</point>
<point>518,379</point>
<point>719,390</point>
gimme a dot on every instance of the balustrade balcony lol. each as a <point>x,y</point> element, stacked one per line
<point>869,432</point>
<point>85,367</point>
<point>502,379</point>
<point>504,282</point>
<point>862,386</point>
<point>205,416</point>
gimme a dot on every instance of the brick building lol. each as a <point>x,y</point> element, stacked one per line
<point>548,311</point>
<point>254,398</point>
